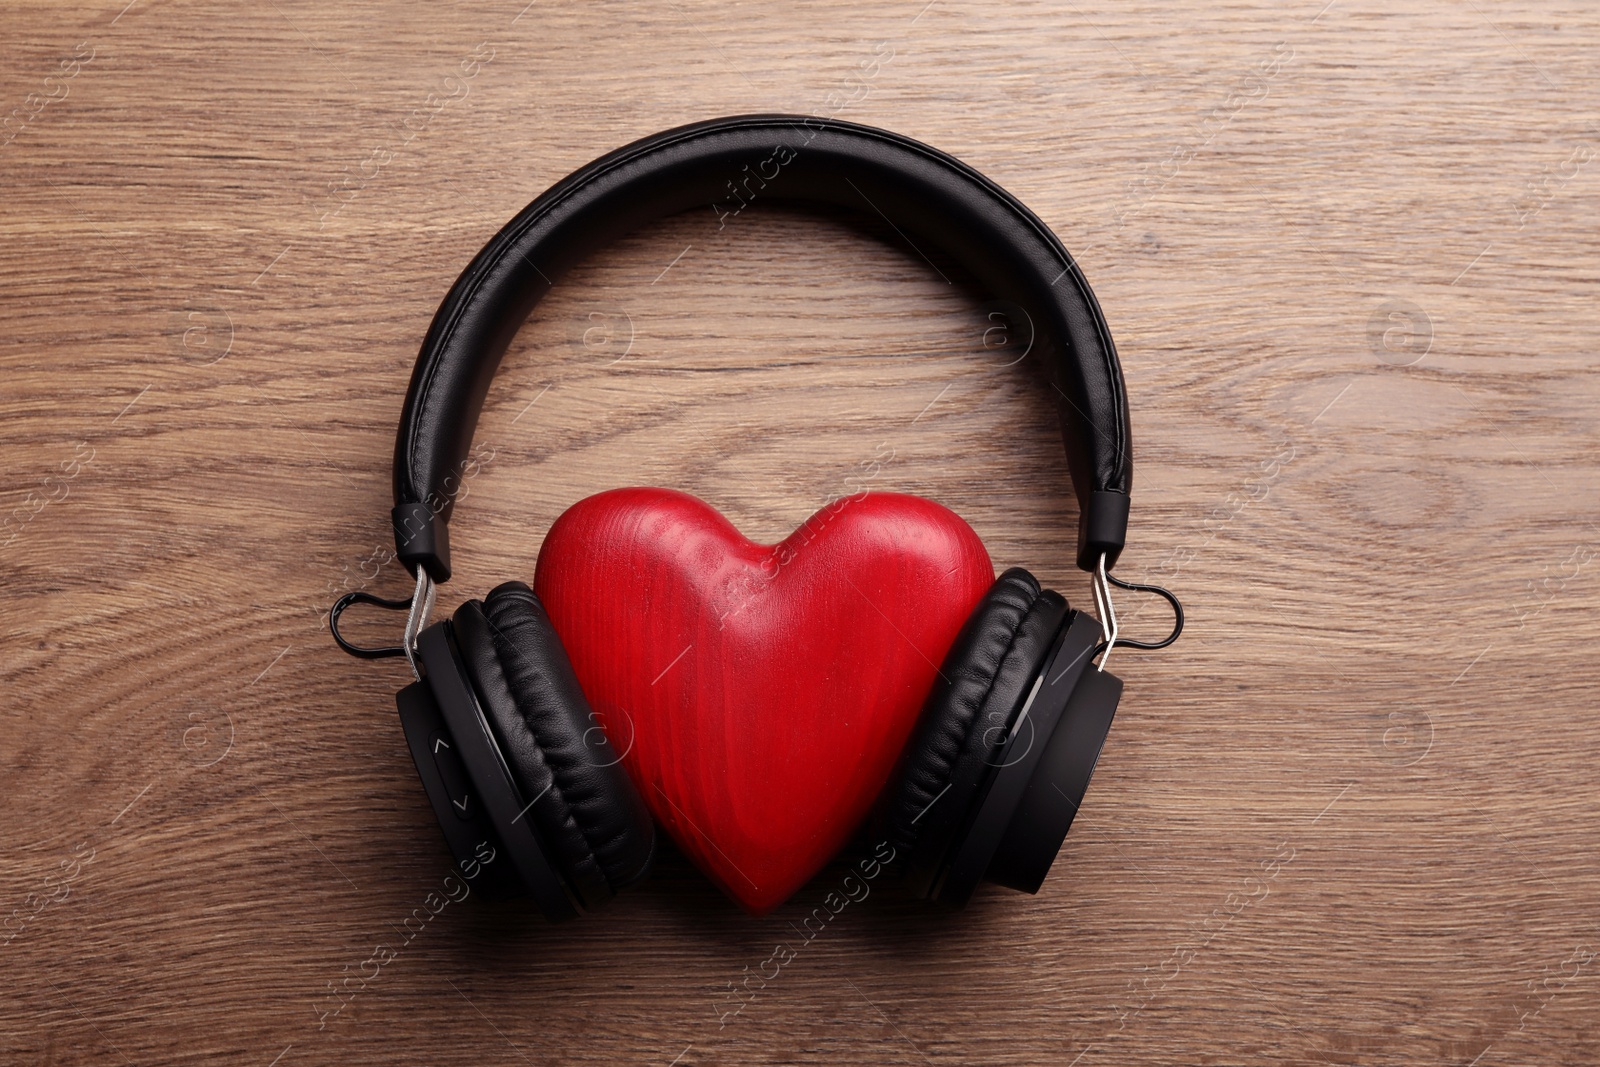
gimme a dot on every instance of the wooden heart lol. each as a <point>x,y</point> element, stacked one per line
<point>760,693</point>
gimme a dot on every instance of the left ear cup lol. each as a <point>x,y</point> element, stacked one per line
<point>586,811</point>
<point>985,679</point>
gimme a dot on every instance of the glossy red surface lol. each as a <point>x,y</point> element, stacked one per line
<point>760,693</point>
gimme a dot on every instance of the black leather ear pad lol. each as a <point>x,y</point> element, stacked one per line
<point>590,818</point>
<point>984,681</point>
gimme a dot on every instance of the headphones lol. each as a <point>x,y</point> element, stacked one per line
<point>531,797</point>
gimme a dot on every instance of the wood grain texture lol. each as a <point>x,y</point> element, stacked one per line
<point>1349,257</point>
<point>758,695</point>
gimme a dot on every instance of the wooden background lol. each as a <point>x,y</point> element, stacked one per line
<point>1349,256</point>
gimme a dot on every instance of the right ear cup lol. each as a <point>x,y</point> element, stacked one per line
<point>589,818</point>
<point>987,676</point>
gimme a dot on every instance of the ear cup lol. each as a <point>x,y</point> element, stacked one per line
<point>588,815</point>
<point>985,679</point>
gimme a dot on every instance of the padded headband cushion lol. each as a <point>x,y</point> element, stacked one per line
<point>984,681</point>
<point>585,809</point>
<point>718,168</point>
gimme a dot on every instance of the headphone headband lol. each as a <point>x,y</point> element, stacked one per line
<point>726,163</point>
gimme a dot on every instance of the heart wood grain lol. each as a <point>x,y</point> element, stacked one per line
<point>761,693</point>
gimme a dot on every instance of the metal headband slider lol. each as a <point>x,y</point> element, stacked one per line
<point>419,606</point>
<point>1101,582</point>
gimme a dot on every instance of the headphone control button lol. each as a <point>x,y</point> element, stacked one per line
<point>454,775</point>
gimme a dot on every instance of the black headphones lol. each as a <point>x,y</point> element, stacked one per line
<point>527,788</point>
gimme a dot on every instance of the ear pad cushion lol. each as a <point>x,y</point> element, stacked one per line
<point>986,676</point>
<point>587,813</point>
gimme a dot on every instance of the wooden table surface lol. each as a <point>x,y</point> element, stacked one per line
<point>1349,255</point>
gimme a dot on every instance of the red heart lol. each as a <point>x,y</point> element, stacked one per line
<point>761,693</point>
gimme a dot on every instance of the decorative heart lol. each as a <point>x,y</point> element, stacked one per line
<point>760,693</point>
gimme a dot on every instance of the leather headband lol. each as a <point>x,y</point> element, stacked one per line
<point>719,167</point>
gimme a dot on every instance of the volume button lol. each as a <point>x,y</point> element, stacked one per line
<point>453,774</point>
